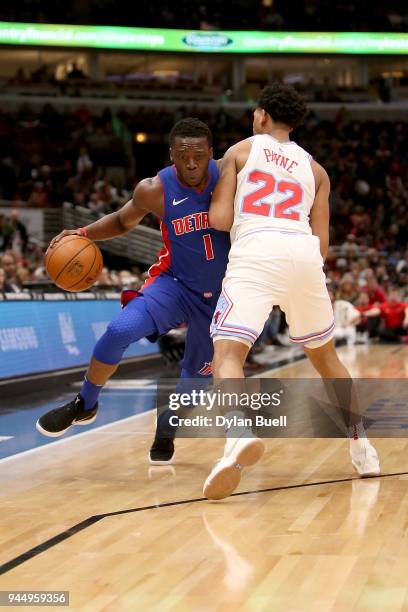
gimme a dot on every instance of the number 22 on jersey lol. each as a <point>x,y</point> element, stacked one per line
<point>252,203</point>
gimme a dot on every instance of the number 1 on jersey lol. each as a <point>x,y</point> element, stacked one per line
<point>208,247</point>
<point>252,203</point>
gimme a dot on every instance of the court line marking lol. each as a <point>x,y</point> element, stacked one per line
<point>76,436</point>
<point>33,552</point>
<point>92,520</point>
<point>397,350</point>
<point>98,429</point>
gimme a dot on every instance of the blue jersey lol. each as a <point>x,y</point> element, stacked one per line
<point>193,253</point>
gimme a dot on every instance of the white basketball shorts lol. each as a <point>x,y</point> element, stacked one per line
<point>268,268</point>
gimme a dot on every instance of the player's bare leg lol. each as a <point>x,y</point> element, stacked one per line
<point>99,373</point>
<point>326,361</point>
<point>229,358</point>
<point>242,449</point>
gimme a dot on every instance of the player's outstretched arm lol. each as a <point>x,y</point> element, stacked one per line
<point>147,197</point>
<point>373,312</point>
<point>320,215</point>
<point>221,214</point>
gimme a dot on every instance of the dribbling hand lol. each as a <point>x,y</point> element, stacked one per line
<point>62,234</point>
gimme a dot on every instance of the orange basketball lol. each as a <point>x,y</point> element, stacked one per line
<point>74,263</point>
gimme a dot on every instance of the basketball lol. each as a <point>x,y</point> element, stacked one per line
<point>74,263</point>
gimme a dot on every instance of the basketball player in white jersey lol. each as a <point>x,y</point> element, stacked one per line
<point>273,198</point>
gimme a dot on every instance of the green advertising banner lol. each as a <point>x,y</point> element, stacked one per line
<point>152,39</point>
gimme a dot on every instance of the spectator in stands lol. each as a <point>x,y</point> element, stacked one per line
<point>298,16</point>
<point>39,273</point>
<point>41,74</point>
<point>394,315</point>
<point>79,199</point>
<point>136,271</point>
<point>69,189</point>
<point>348,289</point>
<point>3,234</point>
<point>8,172</point>
<point>84,163</point>
<point>368,325</point>
<point>381,274</point>
<point>9,264</point>
<point>376,294</point>
<point>402,265</point>
<point>38,196</point>
<point>346,317</point>
<point>5,286</point>
<point>104,278</point>
<point>350,247</point>
<point>76,73</point>
<point>19,232</point>
<point>7,232</point>
<point>357,153</point>
<point>70,156</point>
<point>23,275</point>
<point>96,205</point>
<point>128,280</point>
<point>19,78</point>
<point>34,256</point>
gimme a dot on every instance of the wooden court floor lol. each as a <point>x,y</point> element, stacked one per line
<point>90,516</point>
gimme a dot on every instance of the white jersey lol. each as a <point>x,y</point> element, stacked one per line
<point>275,189</point>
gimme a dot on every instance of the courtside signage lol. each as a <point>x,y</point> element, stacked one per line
<point>44,336</point>
<point>153,39</point>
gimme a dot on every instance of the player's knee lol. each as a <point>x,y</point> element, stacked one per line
<point>319,351</point>
<point>111,345</point>
<point>321,347</point>
<point>120,333</point>
<point>324,357</point>
<point>132,324</point>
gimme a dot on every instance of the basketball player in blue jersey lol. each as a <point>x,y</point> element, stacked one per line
<point>182,287</point>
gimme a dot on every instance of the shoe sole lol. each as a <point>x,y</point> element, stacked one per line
<point>226,479</point>
<point>367,474</point>
<point>162,461</point>
<point>57,434</point>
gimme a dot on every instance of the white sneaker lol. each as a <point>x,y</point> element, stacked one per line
<point>226,474</point>
<point>364,458</point>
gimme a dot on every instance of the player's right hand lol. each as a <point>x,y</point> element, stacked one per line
<point>62,235</point>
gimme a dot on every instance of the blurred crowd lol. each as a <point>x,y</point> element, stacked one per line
<point>311,15</point>
<point>52,157</point>
<point>22,262</point>
<point>18,269</point>
<point>369,293</point>
<point>94,161</point>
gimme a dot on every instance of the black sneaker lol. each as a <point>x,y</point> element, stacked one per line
<point>162,451</point>
<point>56,422</point>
